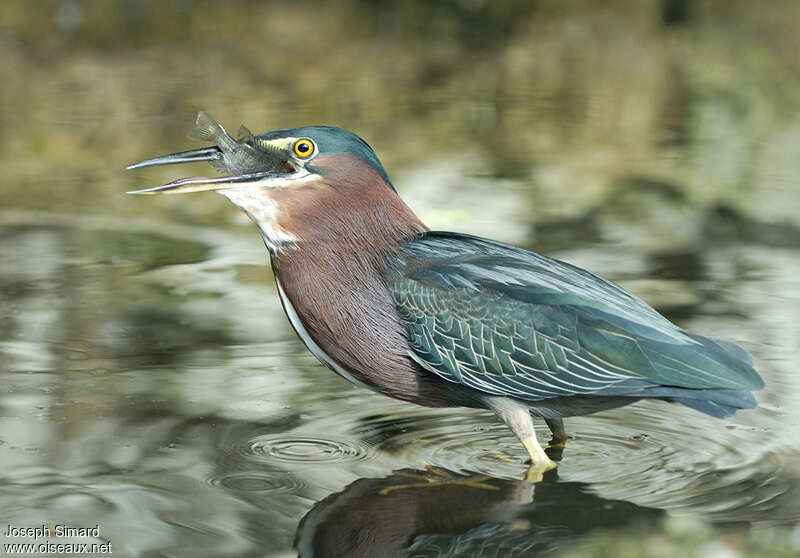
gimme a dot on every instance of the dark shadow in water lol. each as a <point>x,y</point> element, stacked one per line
<point>440,513</point>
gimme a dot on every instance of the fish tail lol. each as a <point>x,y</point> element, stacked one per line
<point>208,129</point>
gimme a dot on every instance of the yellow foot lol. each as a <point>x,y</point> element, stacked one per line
<point>437,477</point>
<point>536,472</point>
<point>540,462</point>
<point>538,456</point>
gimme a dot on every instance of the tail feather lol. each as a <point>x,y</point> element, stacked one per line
<point>721,403</point>
<point>735,351</point>
<point>717,403</point>
<point>708,407</point>
<point>731,358</point>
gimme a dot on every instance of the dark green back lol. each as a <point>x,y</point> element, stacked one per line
<point>506,321</point>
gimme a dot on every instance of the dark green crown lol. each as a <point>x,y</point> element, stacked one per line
<point>331,140</point>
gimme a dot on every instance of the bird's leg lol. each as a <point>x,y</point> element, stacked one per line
<point>540,462</point>
<point>518,418</point>
<point>560,436</point>
<point>538,456</point>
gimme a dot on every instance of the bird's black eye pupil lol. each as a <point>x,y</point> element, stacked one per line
<point>304,148</point>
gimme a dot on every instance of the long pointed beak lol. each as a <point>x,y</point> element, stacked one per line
<point>192,156</point>
<point>198,183</point>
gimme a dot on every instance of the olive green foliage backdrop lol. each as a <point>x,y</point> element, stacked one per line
<point>687,106</point>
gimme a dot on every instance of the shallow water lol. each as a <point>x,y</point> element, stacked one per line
<point>152,385</point>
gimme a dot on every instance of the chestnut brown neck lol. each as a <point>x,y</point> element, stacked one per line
<point>334,278</point>
<point>347,210</point>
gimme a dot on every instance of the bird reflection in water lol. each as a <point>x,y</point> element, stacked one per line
<point>441,513</point>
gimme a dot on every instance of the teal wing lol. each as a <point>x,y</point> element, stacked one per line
<point>506,321</point>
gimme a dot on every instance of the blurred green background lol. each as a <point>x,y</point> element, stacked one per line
<point>656,142</point>
<point>579,103</point>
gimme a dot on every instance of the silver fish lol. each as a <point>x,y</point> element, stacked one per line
<point>239,156</point>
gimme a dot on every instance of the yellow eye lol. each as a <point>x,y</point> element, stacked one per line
<point>304,148</point>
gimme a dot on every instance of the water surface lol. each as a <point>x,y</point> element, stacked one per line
<point>150,383</point>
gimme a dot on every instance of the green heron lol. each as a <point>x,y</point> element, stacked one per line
<point>445,319</point>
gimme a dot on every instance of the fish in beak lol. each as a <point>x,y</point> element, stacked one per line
<point>245,161</point>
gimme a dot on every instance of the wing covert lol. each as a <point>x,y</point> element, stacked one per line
<point>510,322</point>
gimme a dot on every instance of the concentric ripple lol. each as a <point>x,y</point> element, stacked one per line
<point>458,440</point>
<point>258,483</point>
<point>304,449</point>
<point>652,454</point>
